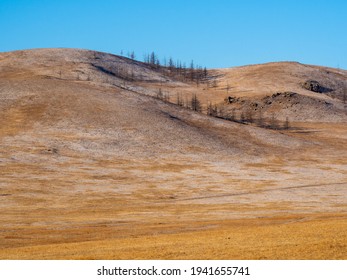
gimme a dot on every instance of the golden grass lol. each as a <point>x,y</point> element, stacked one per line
<point>294,238</point>
<point>91,171</point>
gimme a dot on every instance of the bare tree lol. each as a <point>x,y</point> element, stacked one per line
<point>192,72</point>
<point>165,62</point>
<point>228,88</point>
<point>157,63</point>
<point>232,116</point>
<point>273,122</point>
<point>286,124</point>
<point>214,83</point>
<point>166,97</point>
<point>260,119</point>
<point>171,64</point>
<point>242,117</point>
<point>146,58</point>
<point>160,94</point>
<point>220,112</point>
<point>195,103</point>
<point>205,73</point>
<point>132,55</point>
<point>249,115</point>
<point>212,110</point>
<point>179,100</point>
<point>152,59</point>
<point>187,105</point>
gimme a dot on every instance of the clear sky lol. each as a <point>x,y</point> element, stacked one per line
<point>215,33</point>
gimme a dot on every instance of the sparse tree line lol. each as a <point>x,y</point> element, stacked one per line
<point>193,74</point>
<point>213,110</point>
<point>171,68</point>
<point>248,116</point>
<point>198,75</point>
<point>192,103</point>
<point>177,69</point>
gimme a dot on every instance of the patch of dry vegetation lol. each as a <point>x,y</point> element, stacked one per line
<point>92,168</point>
<point>284,238</point>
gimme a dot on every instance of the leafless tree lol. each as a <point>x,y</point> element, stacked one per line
<point>166,97</point>
<point>195,103</point>
<point>179,100</point>
<point>187,105</point>
<point>273,122</point>
<point>153,59</point>
<point>249,115</point>
<point>211,110</point>
<point>132,55</point>
<point>286,124</point>
<point>232,115</point>
<point>160,94</point>
<point>214,83</point>
<point>260,119</point>
<point>228,88</point>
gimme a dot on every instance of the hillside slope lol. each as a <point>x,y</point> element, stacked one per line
<point>277,89</point>
<point>90,157</point>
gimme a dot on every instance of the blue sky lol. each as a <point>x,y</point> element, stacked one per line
<point>216,33</point>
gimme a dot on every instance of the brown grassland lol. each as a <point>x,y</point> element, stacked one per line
<point>92,166</point>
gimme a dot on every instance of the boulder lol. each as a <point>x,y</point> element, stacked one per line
<point>313,86</point>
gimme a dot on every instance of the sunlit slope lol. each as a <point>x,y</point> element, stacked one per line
<point>278,89</point>
<point>90,158</point>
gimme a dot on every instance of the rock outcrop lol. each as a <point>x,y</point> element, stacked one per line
<point>314,86</point>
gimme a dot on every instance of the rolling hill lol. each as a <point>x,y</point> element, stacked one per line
<point>94,165</point>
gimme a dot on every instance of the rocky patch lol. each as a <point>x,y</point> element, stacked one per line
<point>315,86</point>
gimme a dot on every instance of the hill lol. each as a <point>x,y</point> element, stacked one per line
<point>282,89</point>
<point>95,165</point>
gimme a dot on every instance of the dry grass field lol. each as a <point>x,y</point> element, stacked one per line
<point>92,166</point>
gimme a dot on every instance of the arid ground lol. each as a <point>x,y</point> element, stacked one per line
<point>93,165</point>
